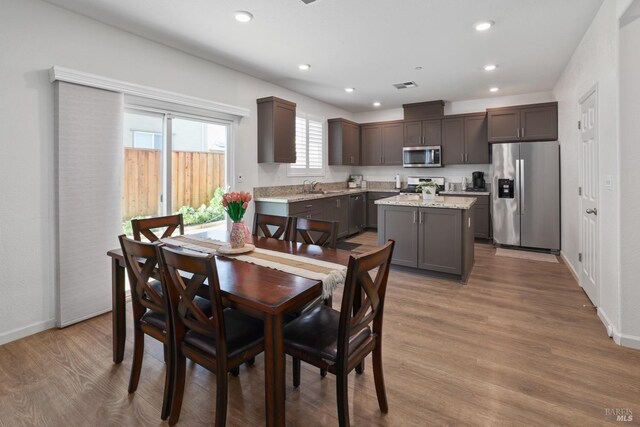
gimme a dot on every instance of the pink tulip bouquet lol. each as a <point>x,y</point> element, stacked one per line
<point>236,204</point>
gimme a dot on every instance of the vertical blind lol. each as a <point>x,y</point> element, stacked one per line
<point>89,171</point>
<point>309,146</point>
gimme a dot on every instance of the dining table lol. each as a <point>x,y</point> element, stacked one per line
<point>259,291</point>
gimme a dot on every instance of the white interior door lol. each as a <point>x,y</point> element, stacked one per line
<point>589,197</point>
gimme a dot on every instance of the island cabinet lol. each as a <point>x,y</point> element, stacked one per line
<point>400,224</point>
<point>464,139</point>
<point>276,130</point>
<point>344,142</point>
<point>481,216</point>
<point>431,239</point>
<point>536,122</point>
<point>381,143</point>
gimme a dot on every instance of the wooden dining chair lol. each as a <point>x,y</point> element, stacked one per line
<point>265,223</point>
<point>315,231</point>
<point>150,309</point>
<point>220,341</point>
<point>144,227</point>
<point>338,341</point>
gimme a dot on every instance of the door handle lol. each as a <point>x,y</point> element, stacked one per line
<point>518,132</point>
<point>414,216</point>
<point>522,187</point>
<point>593,211</point>
<point>523,132</point>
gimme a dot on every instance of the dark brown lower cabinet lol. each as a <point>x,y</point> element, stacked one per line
<point>431,239</point>
<point>337,209</point>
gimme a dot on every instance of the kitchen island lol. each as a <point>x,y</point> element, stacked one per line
<point>434,236</point>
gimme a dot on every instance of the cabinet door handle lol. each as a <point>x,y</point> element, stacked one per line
<point>337,203</point>
<point>308,206</point>
<point>518,133</point>
<point>523,132</point>
<point>414,216</point>
<point>466,157</point>
<point>462,157</point>
<point>308,216</point>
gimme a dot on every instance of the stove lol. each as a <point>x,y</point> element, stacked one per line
<point>414,181</point>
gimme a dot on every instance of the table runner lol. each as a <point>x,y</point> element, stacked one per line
<point>331,274</point>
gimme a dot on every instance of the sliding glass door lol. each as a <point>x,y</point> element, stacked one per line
<point>198,171</point>
<point>174,164</point>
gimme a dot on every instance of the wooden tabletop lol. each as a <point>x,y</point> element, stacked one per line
<point>264,289</point>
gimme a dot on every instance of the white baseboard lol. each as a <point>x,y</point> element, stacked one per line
<point>83,318</point>
<point>612,331</point>
<point>25,331</point>
<point>573,271</point>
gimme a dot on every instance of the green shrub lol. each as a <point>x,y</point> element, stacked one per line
<point>204,214</point>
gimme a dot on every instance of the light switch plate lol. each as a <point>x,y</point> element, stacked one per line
<point>608,182</point>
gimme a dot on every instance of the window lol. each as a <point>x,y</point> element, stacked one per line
<point>150,140</point>
<point>309,148</point>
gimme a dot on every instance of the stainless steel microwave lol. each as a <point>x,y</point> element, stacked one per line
<point>422,157</point>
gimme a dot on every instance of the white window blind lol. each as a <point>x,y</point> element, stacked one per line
<point>309,148</point>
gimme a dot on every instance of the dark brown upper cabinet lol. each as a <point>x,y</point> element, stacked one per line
<point>423,110</point>
<point>464,139</point>
<point>276,130</point>
<point>537,122</point>
<point>371,144</point>
<point>422,132</point>
<point>344,142</point>
<point>381,143</point>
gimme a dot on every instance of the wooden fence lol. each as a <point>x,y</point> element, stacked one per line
<point>195,176</point>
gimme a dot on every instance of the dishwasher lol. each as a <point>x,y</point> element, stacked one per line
<point>357,211</point>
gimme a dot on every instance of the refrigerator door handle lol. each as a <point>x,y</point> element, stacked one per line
<point>518,186</point>
<point>522,187</point>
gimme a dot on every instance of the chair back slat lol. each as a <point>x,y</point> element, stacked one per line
<point>326,232</point>
<point>145,227</point>
<point>176,266</point>
<point>363,298</point>
<point>141,260</point>
<point>264,223</point>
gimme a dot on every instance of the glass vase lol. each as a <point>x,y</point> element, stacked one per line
<point>237,236</point>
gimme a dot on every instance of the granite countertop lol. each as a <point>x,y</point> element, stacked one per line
<point>439,202</point>
<point>291,198</point>
<point>466,193</point>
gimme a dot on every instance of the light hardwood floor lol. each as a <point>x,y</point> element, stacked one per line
<point>515,346</point>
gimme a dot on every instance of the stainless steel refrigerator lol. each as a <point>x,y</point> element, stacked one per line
<point>526,195</point>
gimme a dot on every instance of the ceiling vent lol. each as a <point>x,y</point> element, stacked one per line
<point>405,85</point>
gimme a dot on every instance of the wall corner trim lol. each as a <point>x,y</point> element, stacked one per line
<point>58,73</point>
<point>572,270</point>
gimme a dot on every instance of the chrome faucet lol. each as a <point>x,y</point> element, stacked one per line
<point>305,186</point>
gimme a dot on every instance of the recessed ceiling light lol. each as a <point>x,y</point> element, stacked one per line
<point>484,25</point>
<point>418,68</point>
<point>243,16</point>
<point>304,67</point>
<point>349,89</point>
<point>490,67</point>
<point>376,104</point>
<point>494,89</point>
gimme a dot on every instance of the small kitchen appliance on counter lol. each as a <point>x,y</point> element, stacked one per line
<point>478,181</point>
<point>414,181</point>
<point>355,181</point>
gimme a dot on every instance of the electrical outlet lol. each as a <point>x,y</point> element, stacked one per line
<point>240,179</point>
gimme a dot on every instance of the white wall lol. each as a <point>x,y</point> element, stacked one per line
<point>453,173</point>
<point>630,180</point>
<point>593,62</point>
<point>35,36</point>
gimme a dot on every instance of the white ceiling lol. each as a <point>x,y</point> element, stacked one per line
<point>368,44</point>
